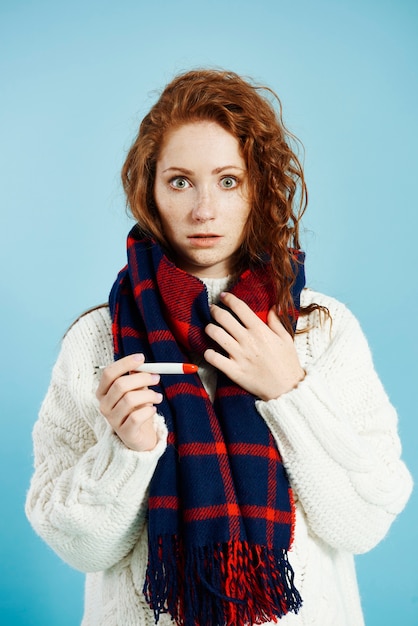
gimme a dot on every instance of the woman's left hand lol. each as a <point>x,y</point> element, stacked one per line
<point>262,357</point>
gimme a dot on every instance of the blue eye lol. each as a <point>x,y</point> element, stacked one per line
<point>229,182</point>
<point>179,183</point>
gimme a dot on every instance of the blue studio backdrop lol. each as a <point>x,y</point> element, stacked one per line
<point>76,78</point>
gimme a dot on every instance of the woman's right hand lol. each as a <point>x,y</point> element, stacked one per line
<point>128,403</point>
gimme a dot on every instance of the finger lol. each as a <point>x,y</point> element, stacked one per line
<point>225,319</point>
<point>224,339</point>
<point>138,418</point>
<point>247,317</point>
<point>124,385</point>
<point>118,368</point>
<point>274,323</point>
<point>138,432</point>
<point>220,362</point>
<point>131,402</point>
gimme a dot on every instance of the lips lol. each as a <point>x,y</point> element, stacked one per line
<point>204,239</point>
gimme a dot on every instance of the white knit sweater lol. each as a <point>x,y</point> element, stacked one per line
<point>337,433</point>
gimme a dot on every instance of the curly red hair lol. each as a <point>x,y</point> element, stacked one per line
<point>276,182</point>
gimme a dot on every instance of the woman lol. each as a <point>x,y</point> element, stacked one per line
<point>237,495</point>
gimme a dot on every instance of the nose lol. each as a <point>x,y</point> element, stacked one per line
<point>203,208</point>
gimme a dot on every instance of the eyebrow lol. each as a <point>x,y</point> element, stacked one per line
<point>217,170</point>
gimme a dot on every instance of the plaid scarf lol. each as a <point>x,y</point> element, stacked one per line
<point>221,512</point>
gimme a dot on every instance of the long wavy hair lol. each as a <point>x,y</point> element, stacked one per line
<point>276,183</point>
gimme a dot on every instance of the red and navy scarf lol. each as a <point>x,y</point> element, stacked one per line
<point>220,509</point>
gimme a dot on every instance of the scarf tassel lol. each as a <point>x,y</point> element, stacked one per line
<point>223,585</point>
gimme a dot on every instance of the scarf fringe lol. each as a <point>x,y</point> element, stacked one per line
<point>227,584</point>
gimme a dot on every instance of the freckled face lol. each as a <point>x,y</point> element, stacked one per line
<point>202,197</point>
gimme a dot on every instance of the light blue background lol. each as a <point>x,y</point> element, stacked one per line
<point>76,78</point>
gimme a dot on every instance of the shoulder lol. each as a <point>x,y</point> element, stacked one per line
<point>88,341</point>
<point>310,296</point>
<point>335,342</point>
<point>333,320</point>
<point>93,323</point>
<point>339,312</point>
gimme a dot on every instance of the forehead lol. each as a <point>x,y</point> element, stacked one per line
<point>200,139</point>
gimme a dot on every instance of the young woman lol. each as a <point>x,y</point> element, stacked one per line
<point>238,494</point>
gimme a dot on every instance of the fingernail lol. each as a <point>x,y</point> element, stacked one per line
<point>159,397</point>
<point>155,378</point>
<point>139,358</point>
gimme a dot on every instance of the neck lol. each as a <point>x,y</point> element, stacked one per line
<point>215,286</point>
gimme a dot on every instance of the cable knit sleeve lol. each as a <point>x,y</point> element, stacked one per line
<point>87,497</point>
<point>337,433</point>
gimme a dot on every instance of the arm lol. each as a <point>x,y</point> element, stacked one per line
<point>88,495</point>
<point>334,425</point>
<point>337,433</point>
